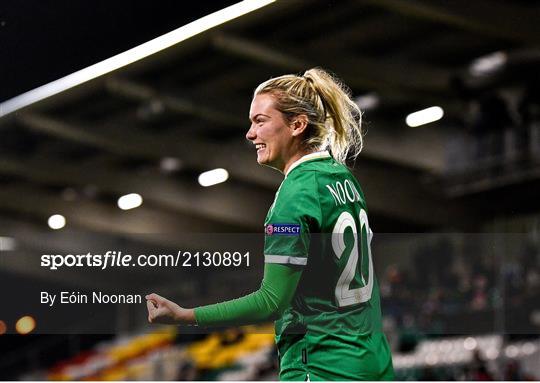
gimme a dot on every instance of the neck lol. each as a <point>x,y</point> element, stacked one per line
<point>295,158</point>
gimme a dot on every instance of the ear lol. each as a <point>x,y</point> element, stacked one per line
<point>299,125</point>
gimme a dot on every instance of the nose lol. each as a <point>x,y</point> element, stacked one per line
<point>251,134</point>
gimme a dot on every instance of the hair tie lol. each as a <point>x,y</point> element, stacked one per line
<point>309,79</point>
<point>312,83</point>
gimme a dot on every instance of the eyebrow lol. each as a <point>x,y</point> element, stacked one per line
<point>257,115</point>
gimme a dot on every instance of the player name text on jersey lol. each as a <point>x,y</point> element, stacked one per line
<point>343,192</point>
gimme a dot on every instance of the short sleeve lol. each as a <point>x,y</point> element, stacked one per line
<point>293,216</point>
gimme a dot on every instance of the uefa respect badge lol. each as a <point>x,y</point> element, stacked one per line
<point>282,229</point>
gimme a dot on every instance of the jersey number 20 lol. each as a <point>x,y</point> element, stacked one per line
<point>345,296</point>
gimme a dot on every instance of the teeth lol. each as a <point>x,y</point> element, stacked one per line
<point>260,146</point>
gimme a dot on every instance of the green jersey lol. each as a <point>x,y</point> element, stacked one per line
<point>318,222</point>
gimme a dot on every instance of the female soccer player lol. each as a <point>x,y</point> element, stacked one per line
<point>318,282</point>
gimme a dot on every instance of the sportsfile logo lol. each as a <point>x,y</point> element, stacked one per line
<point>282,229</point>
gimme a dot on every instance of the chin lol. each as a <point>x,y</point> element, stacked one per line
<point>265,161</point>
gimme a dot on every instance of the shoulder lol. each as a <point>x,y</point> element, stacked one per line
<point>298,195</point>
<point>301,180</point>
<point>298,188</point>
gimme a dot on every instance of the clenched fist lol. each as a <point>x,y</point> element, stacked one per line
<point>162,310</point>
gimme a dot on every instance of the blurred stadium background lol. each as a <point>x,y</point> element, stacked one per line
<point>453,202</point>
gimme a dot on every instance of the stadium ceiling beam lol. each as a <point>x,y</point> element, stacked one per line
<point>302,25</point>
<point>225,203</point>
<point>357,33</point>
<point>80,91</point>
<point>499,20</point>
<point>419,148</point>
<point>439,44</point>
<point>237,159</point>
<point>381,75</point>
<point>141,92</point>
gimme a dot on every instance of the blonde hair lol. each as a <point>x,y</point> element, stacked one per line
<point>334,119</point>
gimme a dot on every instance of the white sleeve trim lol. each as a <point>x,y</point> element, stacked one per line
<point>285,259</point>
